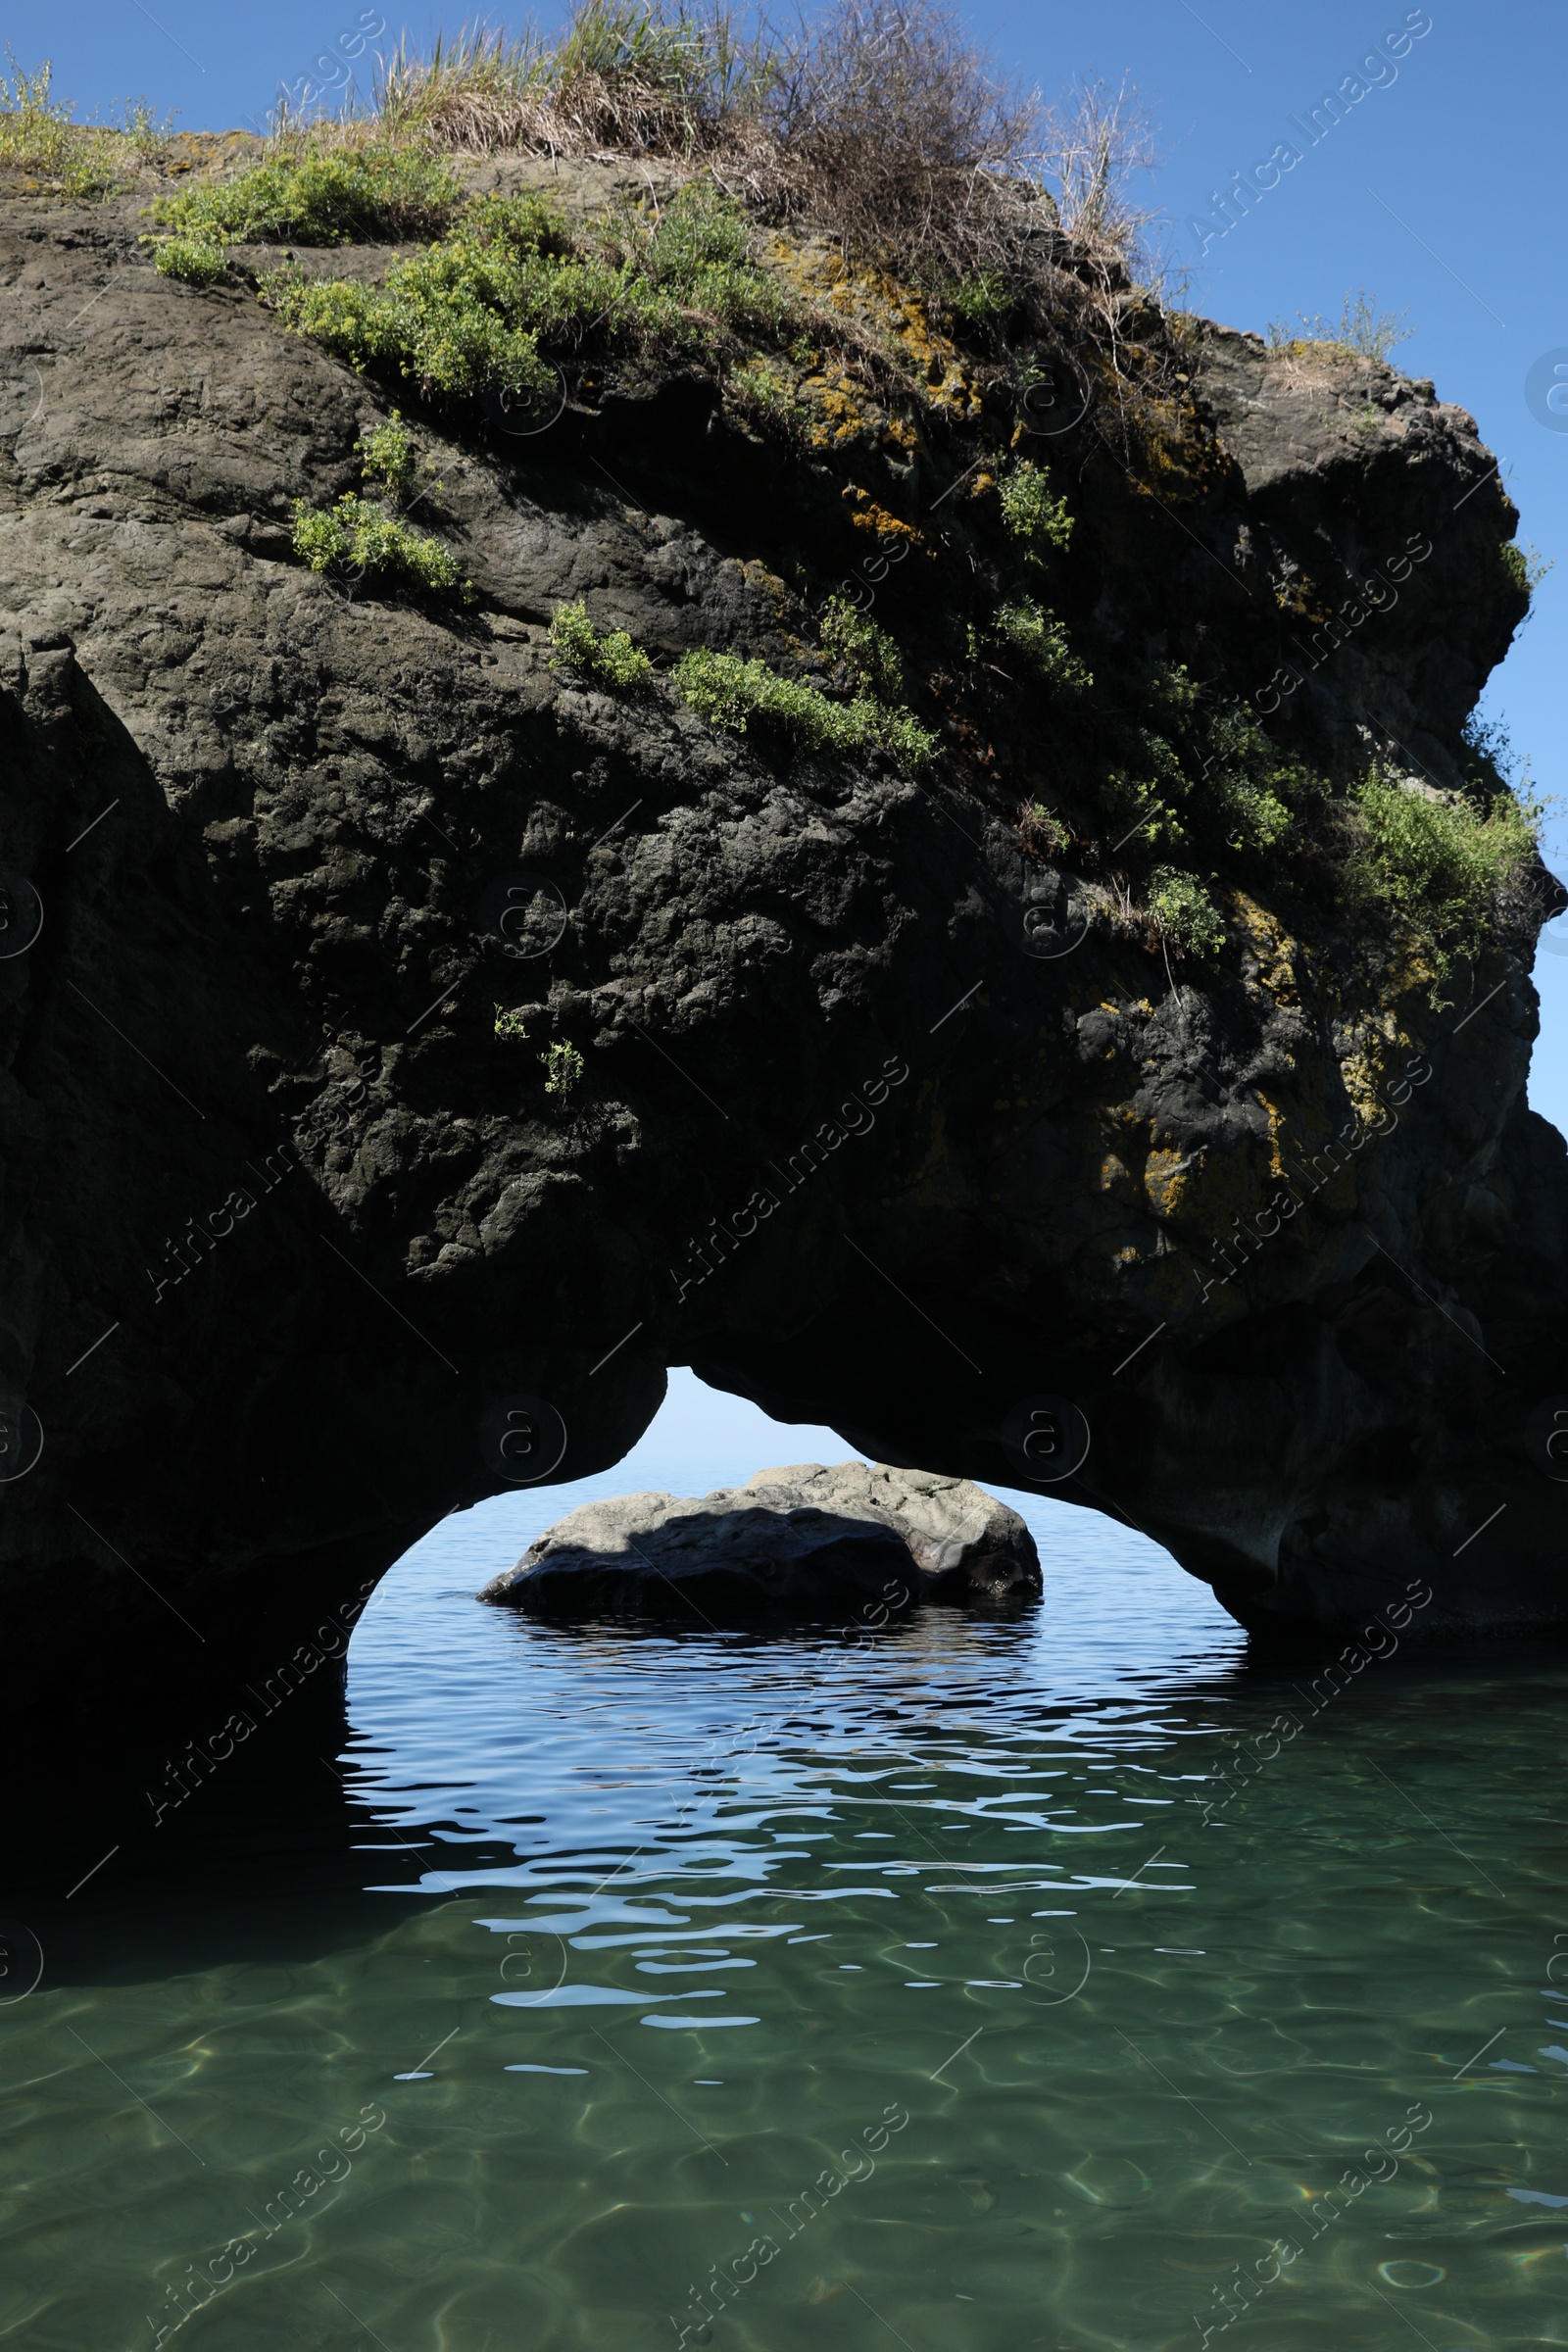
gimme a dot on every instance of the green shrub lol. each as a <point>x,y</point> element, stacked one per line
<point>1526,567</point>
<point>511,1024</point>
<point>612,657</point>
<point>428,322</point>
<point>389,455</point>
<point>1030,511</point>
<point>1252,791</point>
<point>1440,860</point>
<point>148,132</point>
<point>1185,911</point>
<point>730,692</point>
<point>474,312</point>
<point>357,535</point>
<point>1250,815</point>
<point>196,260</point>
<point>563,1066</point>
<point>1042,641</point>
<point>868,651</point>
<point>1489,762</point>
<point>1361,330</point>
<point>989,295</point>
<point>1042,831</point>
<point>37,133</point>
<point>700,251</point>
<point>355,194</point>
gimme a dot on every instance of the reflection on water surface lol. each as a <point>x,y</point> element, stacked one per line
<point>1049,1981</point>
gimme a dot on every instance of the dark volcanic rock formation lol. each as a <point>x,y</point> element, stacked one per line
<point>1262,1253</point>
<point>845,1538</point>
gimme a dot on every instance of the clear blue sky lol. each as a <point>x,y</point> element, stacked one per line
<point>1440,191</point>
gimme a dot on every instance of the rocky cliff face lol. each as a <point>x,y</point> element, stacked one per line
<point>887,1118</point>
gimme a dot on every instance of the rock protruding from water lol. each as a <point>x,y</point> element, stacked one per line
<point>809,1539</point>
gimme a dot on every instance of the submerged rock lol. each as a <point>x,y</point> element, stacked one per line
<point>809,1537</point>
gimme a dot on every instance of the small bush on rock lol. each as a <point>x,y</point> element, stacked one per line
<point>196,260</point>
<point>1185,911</point>
<point>730,692</point>
<point>358,536</point>
<point>1439,859</point>
<point>1361,330</point>
<point>389,455</point>
<point>868,651</point>
<point>366,194</point>
<point>476,312</point>
<point>38,133</point>
<point>1032,511</point>
<point>563,1068</point>
<point>612,657</point>
<point>1039,638</point>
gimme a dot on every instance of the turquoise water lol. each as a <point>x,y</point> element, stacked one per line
<point>971,1987</point>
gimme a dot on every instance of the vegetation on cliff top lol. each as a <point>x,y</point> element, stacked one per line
<point>40,135</point>
<point>982,283</point>
<point>315,196</point>
<point>486,308</point>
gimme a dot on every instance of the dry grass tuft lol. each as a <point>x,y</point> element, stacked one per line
<point>892,131</point>
<point>884,126</point>
<point>635,76</point>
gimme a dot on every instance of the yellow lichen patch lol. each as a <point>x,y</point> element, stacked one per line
<point>836,413</point>
<point>1163,1174</point>
<point>1278,1133</point>
<point>1294,596</point>
<point>866,514</point>
<point>1113,1176</point>
<point>1277,953</point>
<point>1306,347</point>
<point>1209,1191</point>
<point>1382,1050</point>
<point>892,317</point>
<point>756,574</point>
<point>824,402</point>
<point>1177,457</point>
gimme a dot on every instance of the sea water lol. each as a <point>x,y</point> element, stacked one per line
<point>1059,1978</point>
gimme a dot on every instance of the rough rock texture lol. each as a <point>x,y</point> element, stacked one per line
<point>298,1253</point>
<point>961,1540</point>
<point>807,1538</point>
